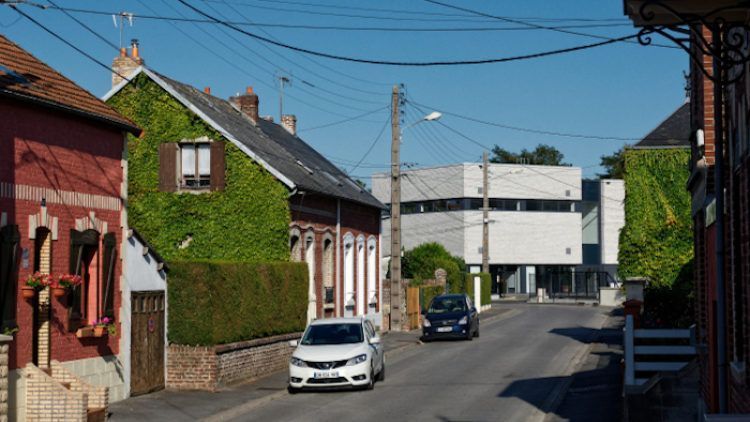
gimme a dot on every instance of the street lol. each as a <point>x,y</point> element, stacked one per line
<point>516,370</point>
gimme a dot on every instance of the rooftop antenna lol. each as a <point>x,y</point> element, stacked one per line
<point>283,79</point>
<point>123,17</point>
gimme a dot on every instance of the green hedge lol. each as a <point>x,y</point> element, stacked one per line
<point>222,302</point>
<point>421,263</point>
<point>427,293</point>
<point>485,289</point>
<point>248,221</point>
<point>657,239</point>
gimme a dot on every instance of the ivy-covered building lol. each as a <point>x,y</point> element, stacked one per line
<point>210,179</point>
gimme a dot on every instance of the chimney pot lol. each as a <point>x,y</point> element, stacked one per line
<point>247,103</point>
<point>249,90</point>
<point>134,47</point>
<point>123,52</point>
<point>289,122</point>
<point>207,90</point>
<point>125,65</point>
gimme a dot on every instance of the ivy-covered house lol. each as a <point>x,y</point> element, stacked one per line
<point>209,179</point>
<point>657,239</point>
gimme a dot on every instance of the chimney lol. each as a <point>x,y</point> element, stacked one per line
<point>247,103</point>
<point>125,64</point>
<point>207,90</point>
<point>289,121</point>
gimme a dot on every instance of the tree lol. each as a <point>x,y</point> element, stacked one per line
<point>614,165</point>
<point>421,262</point>
<point>545,155</point>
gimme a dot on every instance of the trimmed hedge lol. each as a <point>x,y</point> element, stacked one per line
<point>214,303</point>
<point>657,239</point>
<point>427,293</point>
<point>485,292</point>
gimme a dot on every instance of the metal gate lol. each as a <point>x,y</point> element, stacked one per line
<point>578,285</point>
<point>147,342</point>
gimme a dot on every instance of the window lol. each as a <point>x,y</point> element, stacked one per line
<point>191,165</point>
<point>295,250</point>
<point>372,292</point>
<point>84,248</point>
<point>195,165</point>
<point>9,240</point>
<point>109,262</point>
<point>454,204</point>
<point>360,276</point>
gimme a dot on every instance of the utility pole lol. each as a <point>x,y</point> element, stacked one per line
<point>485,215</point>
<point>395,213</point>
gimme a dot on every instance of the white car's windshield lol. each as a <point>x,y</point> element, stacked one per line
<point>332,334</point>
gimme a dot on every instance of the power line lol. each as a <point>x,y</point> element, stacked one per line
<point>348,119</point>
<point>533,25</point>
<point>68,43</point>
<point>372,145</point>
<point>400,63</point>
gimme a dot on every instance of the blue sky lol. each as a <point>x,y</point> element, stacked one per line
<point>619,90</point>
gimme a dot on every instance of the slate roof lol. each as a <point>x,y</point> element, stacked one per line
<point>286,156</point>
<point>24,77</point>
<point>673,132</point>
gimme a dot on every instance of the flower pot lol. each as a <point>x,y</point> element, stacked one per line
<point>100,331</point>
<point>58,292</point>
<point>28,292</point>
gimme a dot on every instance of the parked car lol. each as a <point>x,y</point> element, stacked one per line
<point>337,353</point>
<point>451,315</point>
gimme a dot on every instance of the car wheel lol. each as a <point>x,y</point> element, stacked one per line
<point>371,384</point>
<point>476,333</point>
<point>470,335</point>
<point>292,390</point>
<point>381,374</point>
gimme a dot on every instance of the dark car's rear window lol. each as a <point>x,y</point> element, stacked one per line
<point>447,304</point>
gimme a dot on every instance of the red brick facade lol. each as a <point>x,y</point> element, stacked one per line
<point>736,242</point>
<point>75,165</point>
<point>319,215</point>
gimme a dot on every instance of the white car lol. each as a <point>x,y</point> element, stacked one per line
<point>336,353</point>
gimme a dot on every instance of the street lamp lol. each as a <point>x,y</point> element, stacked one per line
<point>434,116</point>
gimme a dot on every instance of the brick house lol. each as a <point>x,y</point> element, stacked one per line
<point>723,337</point>
<point>62,190</point>
<point>331,223</point>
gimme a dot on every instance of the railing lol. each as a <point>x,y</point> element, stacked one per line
<point>578,285</point>
<point>329,294</point>
<point>661,357</point>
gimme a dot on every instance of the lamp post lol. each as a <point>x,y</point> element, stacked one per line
<point>396,136</point>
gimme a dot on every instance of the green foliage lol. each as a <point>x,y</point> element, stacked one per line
<point>247,222</point>
<point>542,155</point>
<point>614,165</point>
<point>421,262</point>
<point>485,292</point>
<point>657,239</point>
<point>671,306</point>
<point>427,293</point>
<point>214,302</point>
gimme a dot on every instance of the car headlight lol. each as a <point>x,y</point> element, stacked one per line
<point>426,323</point>
<point>298,362</point>
<point>357,360</point>
<point>463,321</point>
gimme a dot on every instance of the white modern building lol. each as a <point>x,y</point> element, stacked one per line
<point>547,227</point>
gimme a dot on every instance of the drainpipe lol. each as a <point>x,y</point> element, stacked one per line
<point>721,337</point>
<point>338,255</point>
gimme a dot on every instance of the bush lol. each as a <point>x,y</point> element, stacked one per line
<point>670,306</point>
<point>427,293</point>
<point>421,262</point>
<point>223,302</point>
<point>485,292</point>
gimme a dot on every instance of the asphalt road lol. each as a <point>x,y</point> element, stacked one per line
<point>513,372</point>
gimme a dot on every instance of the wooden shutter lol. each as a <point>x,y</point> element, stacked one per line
<point>217,166</point>
<point>108,275</point>
<point>9,239</point>
<point>168,167</point>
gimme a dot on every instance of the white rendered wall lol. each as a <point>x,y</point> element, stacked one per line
<point>422,184</point>
<point>446,228</point>
<point>612,218</point>
<point>517,181</point>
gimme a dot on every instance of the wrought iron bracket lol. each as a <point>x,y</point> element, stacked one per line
<point>730,52</point>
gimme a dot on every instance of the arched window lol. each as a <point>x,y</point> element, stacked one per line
<point>295,248</point>
<point>328,263</point>
<point>361,275</point>
<point>372,281</point>
<point>310,260</point>
<point>348,272</point>
<point>84,248</point>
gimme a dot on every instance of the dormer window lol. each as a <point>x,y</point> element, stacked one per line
<point>195,159</point>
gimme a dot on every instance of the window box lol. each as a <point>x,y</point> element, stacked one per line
<point>100,330</point>
<point>83,332</point>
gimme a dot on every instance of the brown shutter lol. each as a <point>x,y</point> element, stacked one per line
<point>217,166</point>
<point>168,167</point>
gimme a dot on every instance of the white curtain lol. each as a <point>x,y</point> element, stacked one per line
<point>188,160</point>
<point>204,159</point>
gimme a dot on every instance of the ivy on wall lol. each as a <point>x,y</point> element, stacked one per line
<point>657,239</point>
<point>248,221</point>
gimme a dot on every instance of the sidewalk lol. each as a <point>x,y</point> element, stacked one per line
<point>595,391</point>
<point>169,405</point>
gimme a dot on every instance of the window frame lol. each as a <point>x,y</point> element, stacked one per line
<point>201,181</point>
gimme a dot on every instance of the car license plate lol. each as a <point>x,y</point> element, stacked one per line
<point>327,374</point>
<point>444,329</point>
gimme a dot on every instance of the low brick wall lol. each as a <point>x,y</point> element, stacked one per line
<point>208,368</point>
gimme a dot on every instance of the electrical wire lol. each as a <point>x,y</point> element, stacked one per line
<point>347,120</point>
<point>403,63</point>
<point>372,145</point>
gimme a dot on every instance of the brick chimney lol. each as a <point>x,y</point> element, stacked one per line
<point>247,103</point>
<point>289,121</point>
<point>126,63</point>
